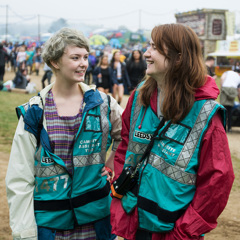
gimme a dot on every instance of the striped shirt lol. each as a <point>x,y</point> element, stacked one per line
<point>62,131</point>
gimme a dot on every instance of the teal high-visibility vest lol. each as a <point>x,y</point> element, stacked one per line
<point>63,200</point>
<point>167,178</point>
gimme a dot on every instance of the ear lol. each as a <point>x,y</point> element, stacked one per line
<point>54,64</point>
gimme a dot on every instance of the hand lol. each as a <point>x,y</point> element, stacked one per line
<point>104,173</point>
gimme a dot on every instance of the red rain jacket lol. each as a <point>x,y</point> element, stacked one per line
<point>214,179</point>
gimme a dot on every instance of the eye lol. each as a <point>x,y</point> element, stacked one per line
<point>154,47</point>
<point>75,58</point>
<point>85,57</point>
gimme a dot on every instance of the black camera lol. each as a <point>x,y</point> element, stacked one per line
<point>125,182</point>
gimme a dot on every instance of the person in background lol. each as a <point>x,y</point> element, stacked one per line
<point>3,58</point>
<point>136,68</point>
<point>30,56</point>
<point>92,63</point>
<point>21,55</point>
<point>13,59</point>
<point>210,61</point>
<point>37,60</point>
<point>230,81</point>
<point>57,177</point>
<point>47,75</point>
<point>21,78</point>
<point>120,73</point>
<point>103,75</point>
<point>236,67</point>
<point>185,179</point>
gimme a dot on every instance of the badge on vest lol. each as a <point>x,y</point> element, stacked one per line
<point>47,161</point>
<point>93,123</point>
<point>143,135</point>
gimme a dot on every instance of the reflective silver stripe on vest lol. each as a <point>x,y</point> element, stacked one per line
<point>130,159</point>
<point>87,160</point>
<point>104,121</point>
<point>97,158</point>
<point>174,172</point>
<point>135,147</point>
<point>47,171</point>
<point>193,138</point>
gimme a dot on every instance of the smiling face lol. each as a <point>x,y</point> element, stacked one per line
<point>72,66</point>
<point>156,62</point>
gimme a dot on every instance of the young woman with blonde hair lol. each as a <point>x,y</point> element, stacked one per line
<point>174,124</point>
<point>57,176</point>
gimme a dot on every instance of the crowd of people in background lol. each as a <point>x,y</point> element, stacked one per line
<point>113,70</point>
<point>116,71</point>
<point>23,59</point>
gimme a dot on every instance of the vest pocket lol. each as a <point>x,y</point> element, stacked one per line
<point>177,133</point>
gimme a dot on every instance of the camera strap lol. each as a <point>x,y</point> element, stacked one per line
<point>149,147</point>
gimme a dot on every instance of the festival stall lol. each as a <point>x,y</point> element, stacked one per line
<point>227,54</point>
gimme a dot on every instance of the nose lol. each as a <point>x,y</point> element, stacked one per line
<point>83,63</point>
<point>147,53</point>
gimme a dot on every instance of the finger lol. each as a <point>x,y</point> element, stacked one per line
<point>104,173</point>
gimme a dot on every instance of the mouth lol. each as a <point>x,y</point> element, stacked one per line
<point>80,72</point>
<point>149,62</point>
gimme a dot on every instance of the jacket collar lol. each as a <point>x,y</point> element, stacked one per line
<point>92,97</point>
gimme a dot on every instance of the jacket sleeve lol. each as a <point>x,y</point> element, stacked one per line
<point>20,184</point>
<point>122,148</point>
<point>214,181</point>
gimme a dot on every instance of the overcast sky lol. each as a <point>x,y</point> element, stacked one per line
<point>108,13</point>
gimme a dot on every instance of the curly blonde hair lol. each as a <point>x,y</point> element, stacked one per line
<point>55,46</point>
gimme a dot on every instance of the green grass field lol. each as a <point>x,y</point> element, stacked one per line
<point>8,117</point>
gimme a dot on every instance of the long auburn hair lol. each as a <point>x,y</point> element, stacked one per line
<point>185,70</point>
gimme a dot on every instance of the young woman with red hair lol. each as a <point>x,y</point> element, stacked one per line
<point>185,180</point>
